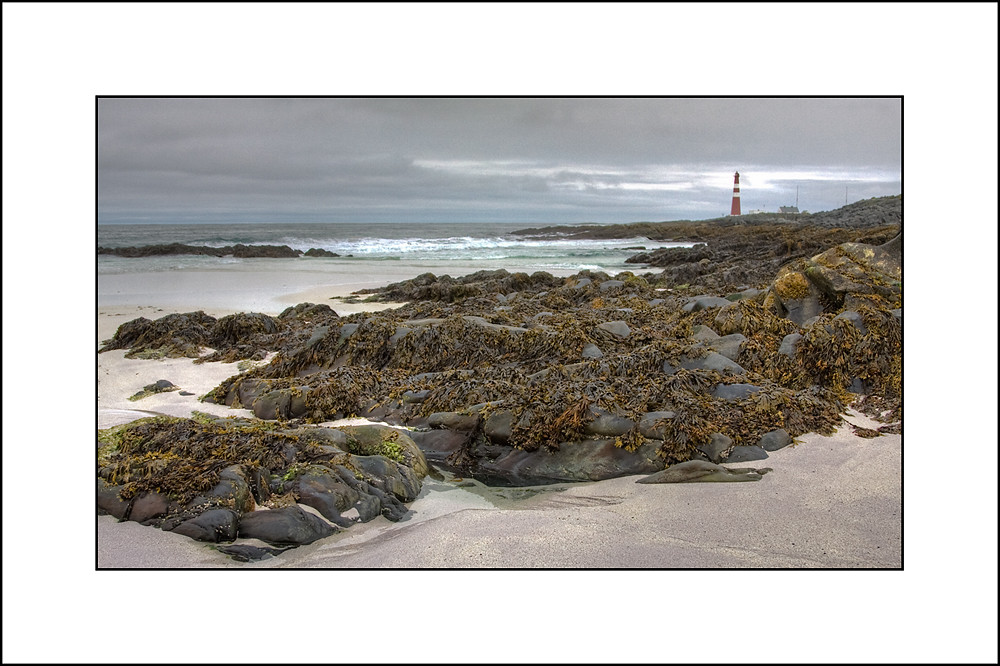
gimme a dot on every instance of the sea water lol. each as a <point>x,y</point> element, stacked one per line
<point>439,248</point>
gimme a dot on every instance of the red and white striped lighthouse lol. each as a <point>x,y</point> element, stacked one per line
<point>736,195</point>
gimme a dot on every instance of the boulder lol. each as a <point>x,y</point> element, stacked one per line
<point>498,426</point>
<point>244,553</point>
<point>149,506</point>
<point>232,490</point>
<point>274,405</point>
<point>789,344</point>
<point>746,454</point>
<point>619,329</point>
<point>587,460</point>
<point>379,440</point>
<point>728,345</point>
<point>701,332</point>
<point>410,397</point>
<point>320,252</point>
<point>715,447</point>
<point>608,285</point>
<point>855,318</point>
<point>608,425</point>
<point>774,440</point>
<point>651,424</point>
<point>453,420</point>
<point>109,501</point>
<point>734,391</point>
<point>438,445</point>
<point>797,296</point>
<point>701,471</point>
<point>389,476</point>
<point>287,525</point>
<point>849,275</point>
<point>214,525</point>
<point>324,490</point>
<point>590,350</point>
<point>699,303</point>
<point>159,386</point>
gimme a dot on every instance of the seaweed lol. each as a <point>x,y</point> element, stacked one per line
<point>525,344</point>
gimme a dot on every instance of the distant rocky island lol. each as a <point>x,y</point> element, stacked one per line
<point>238,250</point>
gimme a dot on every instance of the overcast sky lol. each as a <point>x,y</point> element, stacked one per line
<point>559,160</point>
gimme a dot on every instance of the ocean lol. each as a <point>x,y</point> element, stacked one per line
<point>441,248</point>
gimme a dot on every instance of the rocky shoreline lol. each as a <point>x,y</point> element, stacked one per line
<point>239,250</point>
<point>513,379</point>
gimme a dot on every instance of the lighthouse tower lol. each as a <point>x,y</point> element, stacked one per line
<point>736,195</point>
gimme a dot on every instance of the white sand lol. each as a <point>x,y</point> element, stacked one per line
<point>831,502</point>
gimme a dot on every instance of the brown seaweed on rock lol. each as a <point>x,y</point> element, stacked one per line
<point>538,365</point>
<point>234,337</point>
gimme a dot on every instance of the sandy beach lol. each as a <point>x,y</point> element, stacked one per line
<point>831,502</point>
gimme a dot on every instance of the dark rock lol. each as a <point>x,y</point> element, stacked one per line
<point>264,251</point>
<point>244,553</point>
<point>700,471</point>
<point>608,285</point>
<point>651,426</point>
<point>149,506</point>
<point>608,425</point>
<point>287,525</point>
<point>858,386</point>
<point>109,501</point>
<point>214,525</point>
<point>439,444</point>
<point>704,302</point>
<point>701,332</point>
<point>415,396</point>
<point>241,251</point>
<point>714,448</point>
<point>273,405</point>
<point>728,345</point>
<point>160,386</point>
<point>232,490</point>
<point>734,391</point>
<point>319,252</point>
<point>323,436</point>
<point>789,344</point>
<point>390,443</point>
<point>774,440</point>
<point>324,490</point>
<point>389,476</point>
<point>308,312</point>
<point>855,318</point>
<point>453,420</point>
<point>587,460</point>
<point>746,454</point>
<point>498,426</point>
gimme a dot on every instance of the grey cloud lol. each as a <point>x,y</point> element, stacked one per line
<point>333,157</point>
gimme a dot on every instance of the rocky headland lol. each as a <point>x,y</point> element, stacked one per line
<point>517,379</point>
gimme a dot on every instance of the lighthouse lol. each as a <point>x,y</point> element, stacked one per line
<point>736,195</point>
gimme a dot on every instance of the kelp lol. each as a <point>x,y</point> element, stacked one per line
<point>540,348</point>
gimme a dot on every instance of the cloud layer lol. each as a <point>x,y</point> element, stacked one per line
<point>482,159</point>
